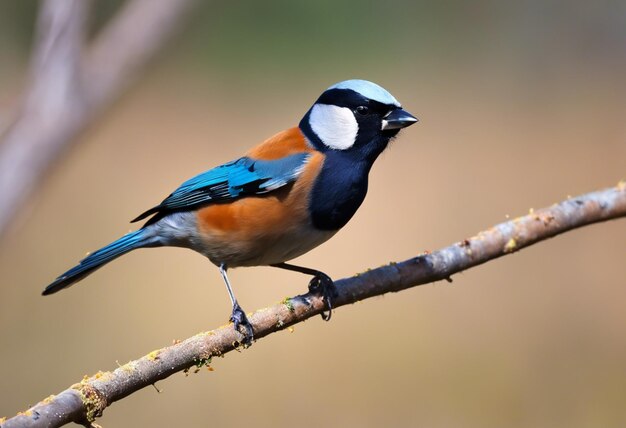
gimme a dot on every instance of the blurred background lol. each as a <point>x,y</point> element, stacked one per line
<point>520,104</point>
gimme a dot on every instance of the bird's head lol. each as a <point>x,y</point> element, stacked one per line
<point>355,116</point>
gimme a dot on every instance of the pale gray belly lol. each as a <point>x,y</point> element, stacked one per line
<point>233,249</point>
<point>264,249</point>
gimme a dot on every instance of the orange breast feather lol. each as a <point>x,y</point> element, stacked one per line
<point>248,226</point>
<point>264,214</point>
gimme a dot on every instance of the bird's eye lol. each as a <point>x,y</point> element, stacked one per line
<point>362,110</point>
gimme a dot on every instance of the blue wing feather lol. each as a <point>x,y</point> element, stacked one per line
<point>243,177</point>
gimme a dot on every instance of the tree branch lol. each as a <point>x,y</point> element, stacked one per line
<point>85,401</point>
<point>67,92</point>
<point>52,106</point>
<point>127,44</point>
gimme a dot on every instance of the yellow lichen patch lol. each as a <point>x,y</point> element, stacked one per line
<point>510,246</point>
<point>289,304</point>
<point>531,210</point>
<point>3,419</point>
<point>291,329</point>
<point>99,374</point>
<point>93,400</point>
<point>154,355</point>
<point>48,399</point>
<point>621,185</point>
<point>129,366</point>
<point>28,412</point>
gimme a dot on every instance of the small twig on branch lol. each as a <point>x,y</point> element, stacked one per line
<point>71,84</point>
<point>85,401</point>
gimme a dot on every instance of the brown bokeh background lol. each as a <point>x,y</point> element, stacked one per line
<point>520,105</point>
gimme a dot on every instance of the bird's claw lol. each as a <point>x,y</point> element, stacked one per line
<point>322,284</point>
<point>239,319</point>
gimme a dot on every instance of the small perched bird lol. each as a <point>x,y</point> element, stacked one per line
<point>283,198</point>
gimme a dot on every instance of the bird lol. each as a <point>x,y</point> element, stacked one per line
<point>283,198</point>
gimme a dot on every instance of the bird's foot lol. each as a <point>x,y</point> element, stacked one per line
<point>322,284</point>
<point>239,319</point>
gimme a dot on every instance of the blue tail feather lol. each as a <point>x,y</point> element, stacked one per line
<point>97,259</point>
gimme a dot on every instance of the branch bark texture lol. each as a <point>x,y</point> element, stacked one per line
<point>71,84</point>
<point>85,401</point>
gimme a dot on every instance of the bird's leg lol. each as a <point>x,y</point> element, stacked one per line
<point>321,283</point>
<point>238,316</point>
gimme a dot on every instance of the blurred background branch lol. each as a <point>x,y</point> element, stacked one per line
<point>71,83</point>
<point>85,401</point>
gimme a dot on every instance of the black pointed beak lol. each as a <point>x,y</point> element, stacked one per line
<point>398,119</point>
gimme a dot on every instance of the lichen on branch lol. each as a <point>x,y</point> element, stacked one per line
<point>85,401</point>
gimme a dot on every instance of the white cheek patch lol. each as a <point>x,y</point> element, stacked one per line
<point>335,126</point>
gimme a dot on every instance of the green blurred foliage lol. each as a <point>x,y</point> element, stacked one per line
<point>17,21</point>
